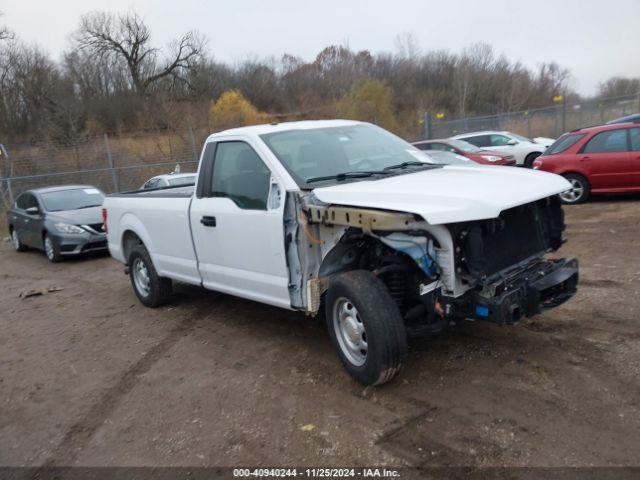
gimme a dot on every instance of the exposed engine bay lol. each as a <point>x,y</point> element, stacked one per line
<point>486,269</point>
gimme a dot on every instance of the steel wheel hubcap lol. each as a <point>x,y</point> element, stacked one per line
<point>350,331</point>
<point>141,277</point>
<point>574,193</point>
<point>16,242</point>
<point>48,247</point>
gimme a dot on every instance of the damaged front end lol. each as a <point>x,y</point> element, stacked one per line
<point>503,260</point>
<point>489,269</point>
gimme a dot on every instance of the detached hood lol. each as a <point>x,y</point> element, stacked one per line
<point>450,194</point>
<point>83,216</point>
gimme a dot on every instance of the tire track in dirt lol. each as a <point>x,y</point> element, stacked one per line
<point>79,434</point>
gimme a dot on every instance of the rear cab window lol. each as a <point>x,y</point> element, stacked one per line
<point>564,143</point>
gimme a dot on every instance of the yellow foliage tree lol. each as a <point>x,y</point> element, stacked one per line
<point>232,109</point>
<point>370,101</point>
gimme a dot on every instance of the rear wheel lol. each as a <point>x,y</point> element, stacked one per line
<point>579,191</point>
<point>528,162</point>
<point>366,327</point>
<point>17,244</point>
<point>51,250</point>
<point>151,289</point>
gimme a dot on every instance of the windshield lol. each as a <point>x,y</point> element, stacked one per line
<point>464,146</point>
<point>325,152</point>
<point>188,180</point>
<point>72,199</point>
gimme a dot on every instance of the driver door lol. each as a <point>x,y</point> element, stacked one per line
<point>32,223</point>
<point>237,225</point>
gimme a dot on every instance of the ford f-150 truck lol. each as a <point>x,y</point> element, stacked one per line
<point>346,219</point>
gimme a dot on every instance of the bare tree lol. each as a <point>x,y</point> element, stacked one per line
<point>5,33</point>
<point>619,86</point>
<point>127,38</point>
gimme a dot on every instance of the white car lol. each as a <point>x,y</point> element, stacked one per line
<point>345,216</point>
<point>170,180</point>
<point>524,150</point>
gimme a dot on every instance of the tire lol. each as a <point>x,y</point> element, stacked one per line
<point>579,192</point>
<point>151,289</point>
<point>366,327</point>
<point>15,241</point>
<point>51,250</point>
<point>528,162</point>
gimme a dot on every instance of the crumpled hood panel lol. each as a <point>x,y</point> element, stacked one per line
<point>450,194</point>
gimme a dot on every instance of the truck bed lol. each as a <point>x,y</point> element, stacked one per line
<point>180,191</point>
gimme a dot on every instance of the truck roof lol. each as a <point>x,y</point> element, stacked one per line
<point>285,126</point>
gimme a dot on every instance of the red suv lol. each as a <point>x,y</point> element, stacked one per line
<point>478,155</point>
<point>603,159</point>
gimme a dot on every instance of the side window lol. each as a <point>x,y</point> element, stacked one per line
<point>499,140</point>
<point>153,183</point>
<point>423,146</point>
<point>239,174</point>
<point>635,139</point>
<point>479,141</point>
<point>611,141</point>
<point>21,202</point>
<point>26,200</point>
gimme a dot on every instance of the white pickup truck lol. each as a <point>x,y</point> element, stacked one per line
<point>346,217</point>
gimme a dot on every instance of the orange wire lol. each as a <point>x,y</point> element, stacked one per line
<point>305,228</point>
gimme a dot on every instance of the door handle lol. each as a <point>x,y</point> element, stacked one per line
<point>208,221</point>
<point>585,159</point>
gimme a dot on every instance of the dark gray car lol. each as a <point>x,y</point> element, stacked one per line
<point>61,221</point>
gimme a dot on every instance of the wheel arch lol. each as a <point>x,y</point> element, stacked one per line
<point>575,172</point>
<point>132,228</point>
<point>128,240</point>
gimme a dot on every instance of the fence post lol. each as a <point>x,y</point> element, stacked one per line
<point>114,175</point>
<point>564,113</point>
<point>426,127</point>
<point>193,143</point>
<point>5,154</point>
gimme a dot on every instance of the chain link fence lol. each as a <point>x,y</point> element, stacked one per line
<point>550,121</point>
<point>116,163</point>
<point>112,163</point>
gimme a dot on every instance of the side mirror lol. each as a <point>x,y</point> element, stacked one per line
<point>32,210</point>
<point>274,195</point>
<point>512,142</point>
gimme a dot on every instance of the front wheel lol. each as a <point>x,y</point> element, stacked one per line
<point>17,244</point>
<point>579,191</point>
<point>366,327</point>
<point>51,250</point>
<point>528,162</point>
<point>151,289</point>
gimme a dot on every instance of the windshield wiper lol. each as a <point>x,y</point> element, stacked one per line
<point>343,176</point>
<point>414,163</point>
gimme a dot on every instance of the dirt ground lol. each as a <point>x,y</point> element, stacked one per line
<point>90,377</point>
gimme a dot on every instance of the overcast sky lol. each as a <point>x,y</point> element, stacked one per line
<point>596,39</point>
